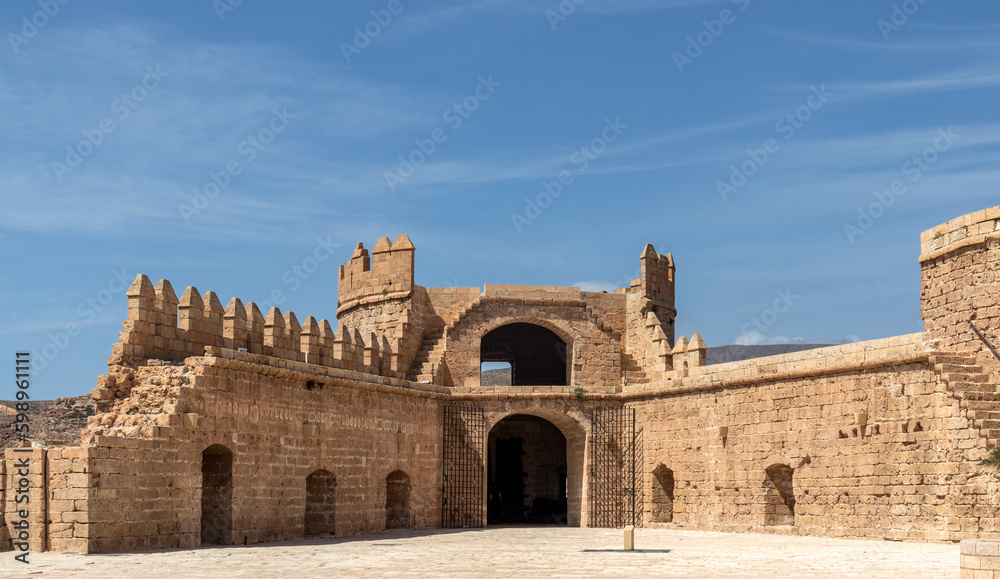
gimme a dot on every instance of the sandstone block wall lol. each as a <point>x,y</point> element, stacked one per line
<point>980,559</point>
<point>138,483</point>
<point>960,284</point>
<point>911,472</point>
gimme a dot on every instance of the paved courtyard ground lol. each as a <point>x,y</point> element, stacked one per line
<point>520,551</point>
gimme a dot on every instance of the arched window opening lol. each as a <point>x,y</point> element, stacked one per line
<point>537,356</point>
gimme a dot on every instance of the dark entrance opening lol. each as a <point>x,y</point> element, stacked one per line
<point>397,500</point>
<point>526,472</point>
<point>663,495</point>
<point>217,495</point>
<point>537,356</point>
<point>321,504</point>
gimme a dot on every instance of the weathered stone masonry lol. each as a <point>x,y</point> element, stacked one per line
<point>228,425</point>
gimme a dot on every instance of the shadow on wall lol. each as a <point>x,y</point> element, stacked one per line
<point>779,501</point>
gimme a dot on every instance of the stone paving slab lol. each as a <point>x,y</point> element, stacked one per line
<point>520,551</point>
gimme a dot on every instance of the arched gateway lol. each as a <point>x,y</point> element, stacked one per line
<point>505,465</point>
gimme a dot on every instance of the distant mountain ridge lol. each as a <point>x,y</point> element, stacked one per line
<point>58,421</point>
<point>737,353</point>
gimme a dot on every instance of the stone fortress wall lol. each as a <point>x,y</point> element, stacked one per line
<point>301,429</point>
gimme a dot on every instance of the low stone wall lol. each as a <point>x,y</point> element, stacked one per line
<point>980,559</point>
<point>797,459</point>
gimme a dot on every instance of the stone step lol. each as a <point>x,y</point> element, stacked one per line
<point>952,358</point>
<point>978,396</point>
<point>981,405</point>
<point>977,377</point>
<point>972,387</point>
<point>993,414</point>
<point>948,367</point>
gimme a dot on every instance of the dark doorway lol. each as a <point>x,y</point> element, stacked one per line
<point>216,495</point>
<point>397,500</point>
<point>526,472</point>
<point>537,356</point>
<point>663,495</point>
<point>321,504</point>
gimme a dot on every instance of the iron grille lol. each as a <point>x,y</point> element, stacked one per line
<point>464,466</point>
<point>616,469</point>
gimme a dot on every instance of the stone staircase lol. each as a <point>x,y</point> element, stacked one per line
<point>634,373</point>
<point>461,315</point>
<point>969,383</point>
<point>429,356</point>
<point>594,317</point>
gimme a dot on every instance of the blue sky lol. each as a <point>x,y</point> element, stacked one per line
<point>219,145</point>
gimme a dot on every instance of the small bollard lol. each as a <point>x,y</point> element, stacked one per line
<point>629,538</point>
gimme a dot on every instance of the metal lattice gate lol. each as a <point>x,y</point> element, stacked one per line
<point>464,466</point>
<point>616,469</point>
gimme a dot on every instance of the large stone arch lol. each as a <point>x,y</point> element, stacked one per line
<point>584,337</point>
<point>538,356</point>
<point>575,427</point>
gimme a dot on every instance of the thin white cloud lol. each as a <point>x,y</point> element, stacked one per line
<point>978,77</point>
<point>211,98</point>
<point>751,338</point>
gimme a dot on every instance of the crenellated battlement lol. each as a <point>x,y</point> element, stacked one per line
<point>656,281</point>
<point>162,327</point>
<point>385,274</point>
